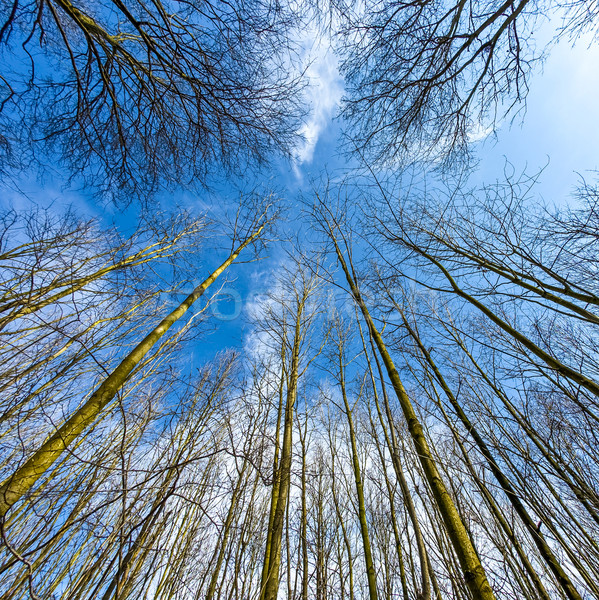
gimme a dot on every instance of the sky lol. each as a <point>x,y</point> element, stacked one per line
<point>557,132</point>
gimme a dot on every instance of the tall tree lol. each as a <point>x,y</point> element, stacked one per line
<point>25,477</point>
<point>287,323</point>
<point>341,360</point>
<point>472,568</point>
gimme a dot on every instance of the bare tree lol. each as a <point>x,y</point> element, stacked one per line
<point>342,361</point>
<point>135,94</point>
<point>426,78</point>
<point>286,323</point>
<point>469,560</point>
<point>497,285</point>
<point>25,477</point>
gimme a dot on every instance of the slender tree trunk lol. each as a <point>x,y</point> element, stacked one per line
<point>393,446</point>
<point>271,585</point>
<point>340,518</point>
<point>474,573</point>
<point>276,479</point>
<point>370,570</point>
<point>223,538</point>
<point>304,516</point>
<point>546,552</point>
<point>25,477</point>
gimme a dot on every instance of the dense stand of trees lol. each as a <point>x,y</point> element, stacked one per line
<point>413,411</point>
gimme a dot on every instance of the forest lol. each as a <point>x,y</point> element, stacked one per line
<point>250,353</point>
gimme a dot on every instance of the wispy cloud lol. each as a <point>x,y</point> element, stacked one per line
<point>480,132</point>
<point>324,94</point>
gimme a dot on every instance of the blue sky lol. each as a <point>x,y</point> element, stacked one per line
<point>558,132</point>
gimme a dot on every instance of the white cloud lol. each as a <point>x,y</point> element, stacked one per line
<point>480,132</point>
<point>324,94</point>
